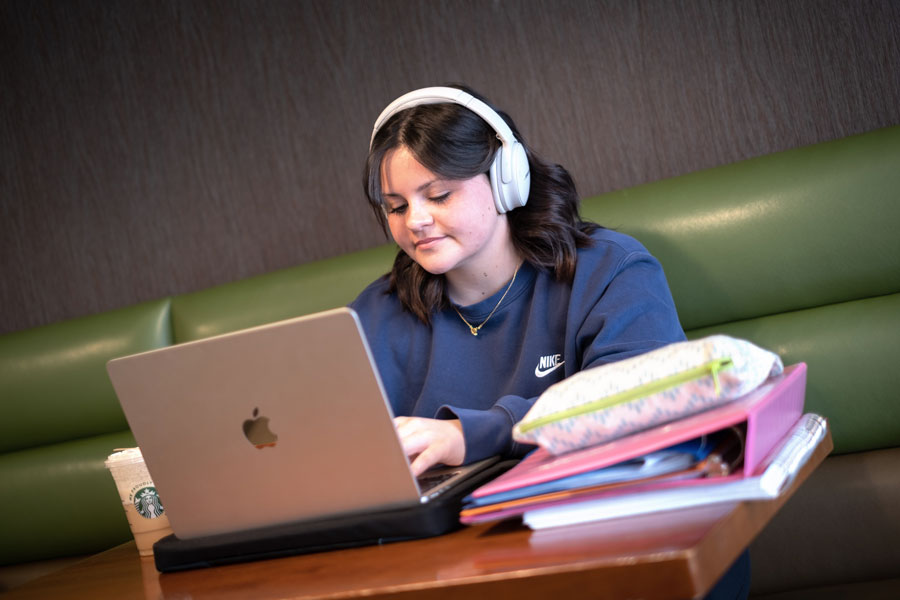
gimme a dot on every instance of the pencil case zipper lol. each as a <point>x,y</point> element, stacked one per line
<point>709,369</point>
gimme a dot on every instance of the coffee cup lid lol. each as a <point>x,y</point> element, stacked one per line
<point>124,456</point>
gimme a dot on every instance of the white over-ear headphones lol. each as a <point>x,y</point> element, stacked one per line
<point>509,173</point>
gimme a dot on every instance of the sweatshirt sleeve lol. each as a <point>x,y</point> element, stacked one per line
<point>631,313</point>
<point>489,432</point>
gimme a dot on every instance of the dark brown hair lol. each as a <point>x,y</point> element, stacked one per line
<point>455,143</point>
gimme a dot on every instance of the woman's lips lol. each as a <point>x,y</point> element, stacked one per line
<point>426,243</point>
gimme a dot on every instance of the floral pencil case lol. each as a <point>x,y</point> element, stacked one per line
<point>611,401</point>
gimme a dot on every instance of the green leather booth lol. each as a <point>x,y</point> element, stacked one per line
<point>797,251</point>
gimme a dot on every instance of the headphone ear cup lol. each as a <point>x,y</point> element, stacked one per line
<point>497,184</point>
<point>521,175</point>
<point>510,178</point>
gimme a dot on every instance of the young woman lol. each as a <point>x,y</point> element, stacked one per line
<point>499,288</point>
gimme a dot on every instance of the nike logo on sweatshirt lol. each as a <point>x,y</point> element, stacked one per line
<point>548,364</point>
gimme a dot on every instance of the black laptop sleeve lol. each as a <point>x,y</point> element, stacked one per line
<point>440,515</point>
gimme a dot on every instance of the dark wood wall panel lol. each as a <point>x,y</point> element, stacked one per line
<point>150,148</point>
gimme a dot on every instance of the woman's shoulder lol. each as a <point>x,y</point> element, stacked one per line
<point>610,246</point>
<point>376,297</point>
<point>390,329</point>
<point>380,309</point>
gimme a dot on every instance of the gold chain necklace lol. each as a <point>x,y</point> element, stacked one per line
<point>475,329</point>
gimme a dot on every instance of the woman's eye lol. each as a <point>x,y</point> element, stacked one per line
<point>441,198</point>
<point>397,210</point>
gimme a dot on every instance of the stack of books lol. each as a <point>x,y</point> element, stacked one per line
<point>748,449</point>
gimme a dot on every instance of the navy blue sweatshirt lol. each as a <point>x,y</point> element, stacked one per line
<point>618,305</point>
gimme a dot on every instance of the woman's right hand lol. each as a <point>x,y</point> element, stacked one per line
<point>429,442</point>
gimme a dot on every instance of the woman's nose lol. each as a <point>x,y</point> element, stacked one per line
<point>418,215</point>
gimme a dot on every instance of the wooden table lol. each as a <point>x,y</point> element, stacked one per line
<point>667,555</point>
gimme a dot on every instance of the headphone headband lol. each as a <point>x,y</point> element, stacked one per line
<point>510,175</point>
<point>440,95</point>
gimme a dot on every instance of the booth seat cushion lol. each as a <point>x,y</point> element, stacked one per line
<point>60,500</point>
<point>882,589</point>
<point>308,288</point>
<point>63,419</point>
<point>837,536</point>
<point>851,349</point>
<point>792,230</point>
<point>53,379</point>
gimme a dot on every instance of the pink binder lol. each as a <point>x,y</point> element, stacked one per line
<point>768,413</point>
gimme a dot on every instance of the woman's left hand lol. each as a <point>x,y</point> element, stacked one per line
<point>431,441</point>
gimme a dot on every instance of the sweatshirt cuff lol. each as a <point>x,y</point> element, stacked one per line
<point>486,432</point>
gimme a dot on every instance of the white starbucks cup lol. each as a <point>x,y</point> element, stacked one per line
<point>143,508</point>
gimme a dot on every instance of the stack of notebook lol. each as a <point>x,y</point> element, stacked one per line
<point>747,449</point>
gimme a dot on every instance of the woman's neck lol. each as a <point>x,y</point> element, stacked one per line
<point>472,284</point>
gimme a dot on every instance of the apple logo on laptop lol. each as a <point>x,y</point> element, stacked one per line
<point>257,431</point>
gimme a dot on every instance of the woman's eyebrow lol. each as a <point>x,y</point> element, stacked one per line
<point>428,184</point>
<point>422,187</point>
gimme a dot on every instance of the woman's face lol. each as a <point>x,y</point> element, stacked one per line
<point>447,226</point>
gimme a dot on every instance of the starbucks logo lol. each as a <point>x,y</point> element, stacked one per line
<point>147,503</point>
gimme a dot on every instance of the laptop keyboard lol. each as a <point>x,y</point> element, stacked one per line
<point>435,482</point>
<point>428,482</point>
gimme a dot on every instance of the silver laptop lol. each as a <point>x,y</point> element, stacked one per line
<point>276,424</point>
